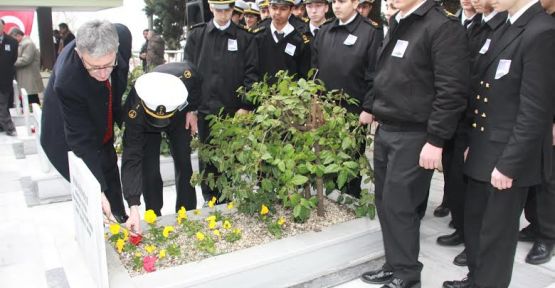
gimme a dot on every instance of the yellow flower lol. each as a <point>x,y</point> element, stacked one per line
<point>114,228</point>
<point>162,254</point>
<point>119,245</point>
<point>230,205</point>
<point>226,225</point>
<point>264,210</point>
<point>217,233</point>
<point>212,202</point>
<point>150,216</point>
<point>125,234</point>
<point>138,254</point>
<point>237,231</point>
<point>281,221</point>
<point>150,248</point>
<point>210,218</point>
<point>197,212</point>
<point>200,236</point>
<point>181,215</point>
<point>212,224</point>
<point>167,230</point>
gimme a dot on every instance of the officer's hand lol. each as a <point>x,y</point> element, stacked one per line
<point>365,118</point>
<point>500,181</point>
<point>191,123</point>
<point>430,157</point>
<point>106,209</point>
<point>553,132</point>
<point>134,221</point>
<point>241,112</point>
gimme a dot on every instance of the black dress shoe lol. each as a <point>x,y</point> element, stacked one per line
<point>441,211</point>
<point>465,283</point>
<point>460,260</point>
<point>450,240</point>
<point>540,253</point>
<point>11,132</point>
<point>377,277</point>
<point>527,234</point>
<point>400,283</point>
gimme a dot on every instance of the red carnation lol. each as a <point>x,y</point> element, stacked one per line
<point>135,239</point>
<point>148,263</point>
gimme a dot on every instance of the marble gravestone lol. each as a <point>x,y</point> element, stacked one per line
<point>88,219</point>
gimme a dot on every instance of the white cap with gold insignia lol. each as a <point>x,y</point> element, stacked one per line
<point>161,95</point>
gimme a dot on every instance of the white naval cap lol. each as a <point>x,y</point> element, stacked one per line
<point>161,94</point>
<point>240,6</point>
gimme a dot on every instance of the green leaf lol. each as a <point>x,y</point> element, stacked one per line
<point>332,168</point>
<point>341,179</point>
<point>299,180</point>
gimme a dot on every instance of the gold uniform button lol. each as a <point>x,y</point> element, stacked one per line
<point>483,115</point>
<point>476,111</point>
<point>487,85</point>
<point>474,125</point>
<point>481,82</point>
<point>486,100</point>
<point>481,129</point>
<point>477,97</point>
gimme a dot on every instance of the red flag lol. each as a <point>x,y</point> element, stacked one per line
<point>23,19</point>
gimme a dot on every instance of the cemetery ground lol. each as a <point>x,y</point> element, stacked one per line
<point>38,248</point>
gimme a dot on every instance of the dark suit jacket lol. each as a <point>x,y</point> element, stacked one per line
<point>512,122</point>
<point>75,108</point>
<point>428,85</point>
<point>8,56</point>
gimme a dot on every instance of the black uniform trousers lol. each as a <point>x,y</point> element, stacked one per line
<point>540,207</point>
<point>491,223</point>
<point>204,136</point>
<point>110,169</point>
<point>454,179</point>
<point>401,187</point>
<point>180,148</point>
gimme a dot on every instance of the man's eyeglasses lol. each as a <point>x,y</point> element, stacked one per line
<point>93,69</point>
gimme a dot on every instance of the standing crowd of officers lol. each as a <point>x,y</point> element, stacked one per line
<point>471,94</point>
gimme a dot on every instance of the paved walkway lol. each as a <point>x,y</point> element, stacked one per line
<point>38,250</point>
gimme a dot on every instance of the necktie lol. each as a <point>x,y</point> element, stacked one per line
<point>279,36</point>
<point>109,129</point>
<point>316,31</point>
<point>467,23</point>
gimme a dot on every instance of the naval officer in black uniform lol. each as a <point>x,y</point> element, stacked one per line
<point>419,95</point>
<point>510,143</point>
<point>83,101</point>
<point>280,46</point>
<point>226,59</point>
<point>344,52</point>
<point>161,101</point>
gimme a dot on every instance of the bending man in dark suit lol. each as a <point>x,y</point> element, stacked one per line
<point>83,101</point>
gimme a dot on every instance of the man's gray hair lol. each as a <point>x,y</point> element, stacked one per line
<point>97,38</point>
